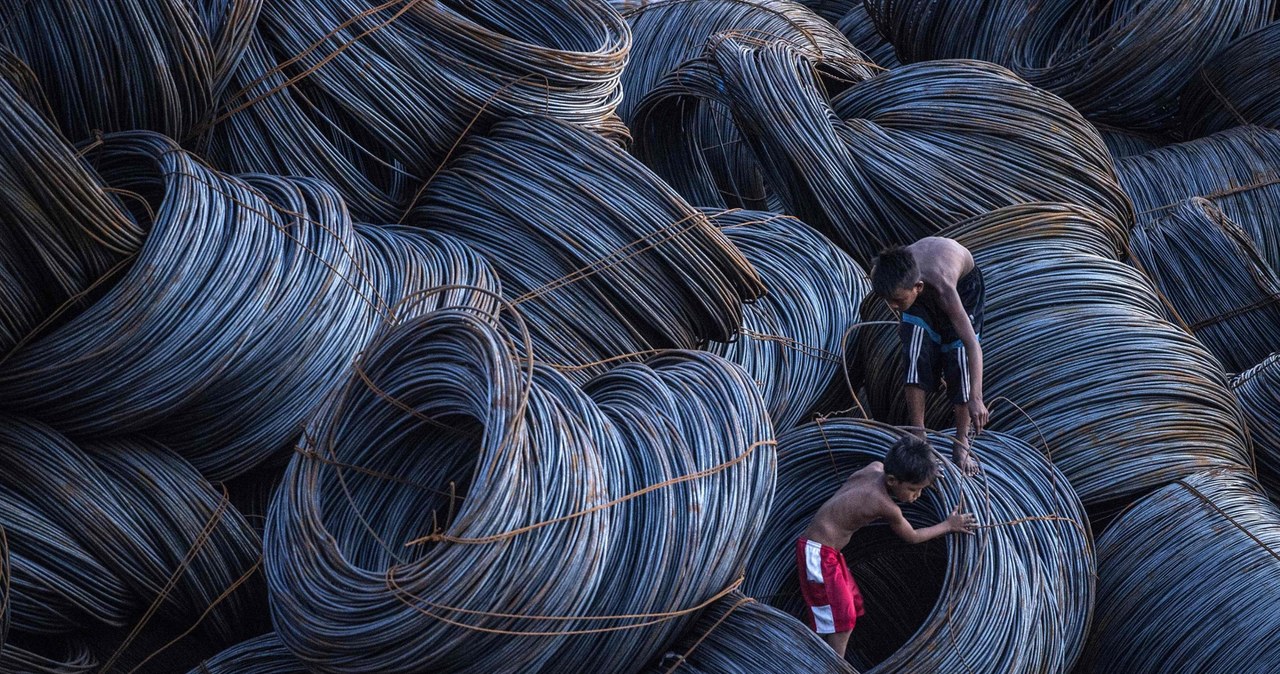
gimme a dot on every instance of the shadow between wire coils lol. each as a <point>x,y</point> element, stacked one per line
<point>892,158</point>
<point>1188,580</point>
<point>1014,597</point>
<point>458,509</point>
<point>604,260</point>
<point>1078,346</point>
<point>1210,271</point>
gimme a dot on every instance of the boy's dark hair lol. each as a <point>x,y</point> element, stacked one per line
<point>894,268</point>
<point>910,459</point>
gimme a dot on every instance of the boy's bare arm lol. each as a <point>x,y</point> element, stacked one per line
<point>952,305</point>
<point>957,522</point>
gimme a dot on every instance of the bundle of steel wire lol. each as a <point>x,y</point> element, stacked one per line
<point>68,656</point>
<point>1258,390</point>
<point>1122,143</point>
<point>1217,282</point>
<point>115,537</point>
<point>1238,170</point>
<point>1014,597</point>
<point>738,635</point>
<point>710,163</point>
<point>1188,581</point>
<point>96,77</point>
<point>260,655</point>
<point>616,266</point>
<point>61,229</point>
<point>919,147</point>
<point>791,340</point>
<point>594,523</point>
<point>374,98</point>
<point>1124,63</point>
<point>856,24</point>
<point>1238,86</point>
<point>243,307</point>
<point>1079,346</point>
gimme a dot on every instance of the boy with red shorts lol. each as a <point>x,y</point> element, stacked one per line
<point>868,495</point>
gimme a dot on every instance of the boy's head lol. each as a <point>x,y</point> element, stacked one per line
<point>896,278</point>
<point>909,468</point>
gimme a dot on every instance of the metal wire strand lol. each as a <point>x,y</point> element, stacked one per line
<point>1236,87</point>
<point>1213,541</point>
<point>1213,275</point>
<point>1014,597</point>
<point>260,655</point>
<point>1258,390</point>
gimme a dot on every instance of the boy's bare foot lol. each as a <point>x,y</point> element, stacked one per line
<point>961,457</point>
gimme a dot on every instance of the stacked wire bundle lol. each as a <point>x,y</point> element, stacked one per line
<point>738,635</point>
<point>1078,352</point>
<point>458,509</point>
<point>107,540</point>
<point>60,227</point>
<point>1217,282</point>
<point>243,307</point>
<point>709,162</point>
<point>260,655</point>
<point>896,157</point>
<point>1015,597</point>
<point>617,265</point>
<point>858,26</point>
<point>1237,86</point>
<point>96,78</point>
<point>1123,64</point>
<point>1258,390</point>
<point>1188,580</point>
<point>373,99</point>
<point>1238,170</point>
<point>792,339</point>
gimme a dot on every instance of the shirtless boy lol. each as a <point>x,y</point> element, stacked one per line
<point>938,288</point>
<point>868,495</point>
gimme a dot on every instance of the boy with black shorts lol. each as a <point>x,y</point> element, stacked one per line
<point>938,288</point>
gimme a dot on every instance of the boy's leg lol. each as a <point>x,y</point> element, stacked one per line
<point>960,448</point>
<point>838,641</point>
<point>915,408</point>
<point>957,376</point>
<point>920,356</point>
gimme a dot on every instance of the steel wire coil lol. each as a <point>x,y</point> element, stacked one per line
<point>86,55</point>
<point>68,656</point>
<point>1258,390</point>
<point>1211,272</point>
<point>96,539</point>
<point>61,229</point>
<point>857,25</point>
<point>373,97</point>
<point>1080,344</point>
<point>1122,143</point>
<point>260,655</point>
<point>792,339</point>
<point>1015,597</point>
<point>896,157</point>
<point>1238,170</point>
<point>1123,63</point>
<point>507,477</point>
<point>831,10</point>
<point>1188,580</point>
<point>618,265</point>
<point>739,635</point>
<point>1236,87</point>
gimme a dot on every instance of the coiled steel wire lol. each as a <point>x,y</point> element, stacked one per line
<point>260,655</point>
<point>373,97</point>
<point>792,339</point>
<point>856,24</point>
<point>619,265</point>
<point>1079,343</point>
<point>898,156</point>
<point>1238,170</point>
<point>1014,597</point>
<point>457,509</point>
<point>86,55</point>
<point>1217,282</point>
<point>1123,63</point>
<point>1238,86</point>
<point>96,539</point>
<point>739,635</point>
<point>1188,580</point>
<point>1258,390</point>
<point>68,656</point>
<point>61,228</point>
<point>1122,143</point>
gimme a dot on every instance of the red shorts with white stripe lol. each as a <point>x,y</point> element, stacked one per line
<point>828,588</point>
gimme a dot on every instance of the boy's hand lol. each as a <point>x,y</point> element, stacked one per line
<point>977,414</point>
<point>961,523</point>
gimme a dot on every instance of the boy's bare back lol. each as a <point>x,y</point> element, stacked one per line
<point>942,261</point>
<point>861,500</point>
